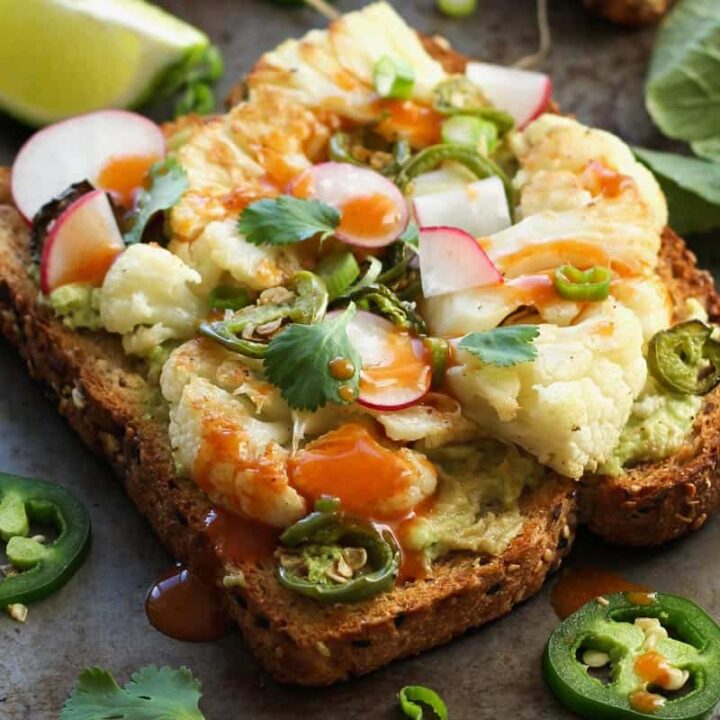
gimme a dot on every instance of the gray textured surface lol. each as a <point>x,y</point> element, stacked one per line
<point>98,618</point>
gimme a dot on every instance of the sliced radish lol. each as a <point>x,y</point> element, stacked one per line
<point>452,260</point>
<point>82,244</point>
<point>80,149</point>
<point>396,370</point>
<point>480,208</point>
<point>373,210</point>
<point>521,93</point>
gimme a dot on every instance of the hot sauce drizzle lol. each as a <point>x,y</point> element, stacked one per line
<point>123,176</point>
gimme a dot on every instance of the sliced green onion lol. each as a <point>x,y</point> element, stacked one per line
<point>225,297</point>
<point>590,285</point>
<point>439,351</point>
<point>457,8</point>
<point>339,270</point>
<point>470,130</point>
<point>370,276</point>
<point>393,78</point>
<point>411,695</point>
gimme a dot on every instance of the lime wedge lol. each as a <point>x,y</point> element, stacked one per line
<point>64,57</point>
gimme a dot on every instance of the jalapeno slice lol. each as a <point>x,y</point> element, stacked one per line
<point>334,558</point>
<point>685,358</point>
<point>429,158</point>
<point>307,307</point>
<point>657,655</point>
<point>578,285</point>
<point>44,567</point>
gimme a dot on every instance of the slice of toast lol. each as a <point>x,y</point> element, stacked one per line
<point>109,404</point>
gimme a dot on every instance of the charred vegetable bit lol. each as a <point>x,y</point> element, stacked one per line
<point>366,148</point>
<point>429,158</point>
<point>250,329</point>
<point>50,212</point>
<point>590,285</point>
<point>383,301</point>
<point>42,568</point>
<point>658,654</point>
<point>686,358</point>
<point>334,558</point>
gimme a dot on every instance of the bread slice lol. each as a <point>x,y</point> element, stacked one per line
<point>656,502</point>
<point>108,402</point>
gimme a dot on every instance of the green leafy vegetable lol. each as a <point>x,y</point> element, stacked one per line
<point>298,360</point>
<point>152,694</point>
<point>708,149</point>
<point>168,182</point>
<point>683,87</point>
<point>411,695</point>
<point>285,220</point>
<point>503,346</point>
<point>691,186</point>
<point>411,235</point>
<point>191,80</point>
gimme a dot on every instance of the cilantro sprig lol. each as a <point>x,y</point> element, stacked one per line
<point>152,694</point>
<point>168,182</point>
<point>286,220</point>
<point>298,360</point>
<point>503,346</point>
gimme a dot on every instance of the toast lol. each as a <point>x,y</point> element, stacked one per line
<point>109,403</point>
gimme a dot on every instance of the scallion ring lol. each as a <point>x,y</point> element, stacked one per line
<point>470,130</point>
<point>411,695</point>
<point>457,8</point>
<point>577,285</point>
<point>339,270</point>
<point>393,78</point>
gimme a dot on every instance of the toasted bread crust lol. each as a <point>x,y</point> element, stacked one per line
<point>107,402</point>
<point>656,502</point>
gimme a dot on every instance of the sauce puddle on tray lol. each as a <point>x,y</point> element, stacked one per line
<point>577,586</point>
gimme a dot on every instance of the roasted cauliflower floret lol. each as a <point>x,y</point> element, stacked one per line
<point>221,249</point>
<point>147,297</point>
<point>568,406</point>
<point>235,458</point>
<point>565,165</point>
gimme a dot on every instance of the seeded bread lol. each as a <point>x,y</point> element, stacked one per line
<point>107,401</point>
<point>110,405</point>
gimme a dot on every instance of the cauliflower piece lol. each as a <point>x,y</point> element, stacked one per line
<point>555,153</point>
<point>222,249</point>
<point>235,458</point>
<point>650,299</point>
<point>569,405</point>
<point>149,286</point>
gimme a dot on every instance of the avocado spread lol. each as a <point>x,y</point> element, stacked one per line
<point>659,424</point>
<point>479,487</point>
<point>78,304</point>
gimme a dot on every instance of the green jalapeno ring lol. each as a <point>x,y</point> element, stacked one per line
<point>685,358</point>
<point>429,158</point>
<point>226,297</point>
<point>46,567</point>
<point>590,285</point>
<point>598,625</point>
<point>328,526</point>
<point>223,335</point>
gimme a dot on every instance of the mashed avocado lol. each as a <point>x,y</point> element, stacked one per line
<point>658,426</point>
<point>477,506</point>
<point>78,304</point>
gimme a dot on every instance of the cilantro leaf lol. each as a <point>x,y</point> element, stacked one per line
<point>298,362</point>
<point>503,346</point>
<point>285,220</point>
<point>152,694</point>
<point>168,182</point>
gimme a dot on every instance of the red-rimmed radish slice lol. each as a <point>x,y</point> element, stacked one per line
<point>82,244</point>
<point>524,94</point>
<point>373,210</point>
<point>396,368</point>
<point>80,149</point>
<point>452,260</point>
<point>480,208</point>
